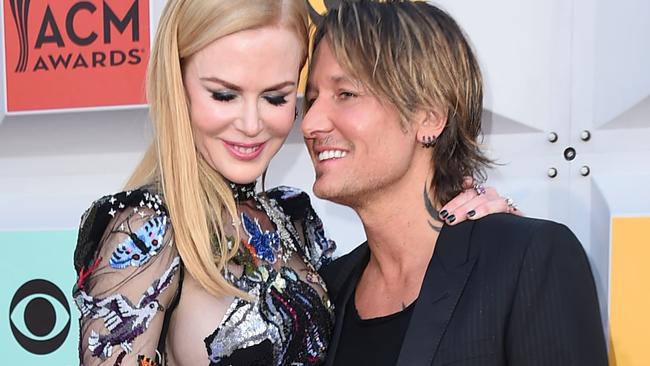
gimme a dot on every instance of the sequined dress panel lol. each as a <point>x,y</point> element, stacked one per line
<point>140,307</point>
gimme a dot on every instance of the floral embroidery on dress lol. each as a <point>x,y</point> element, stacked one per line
<point>263,245</point>
<point>321,249</point>
<point>317,247</point>
<point>286,320</point>
<point>284,309</point>
<point>123,320</point>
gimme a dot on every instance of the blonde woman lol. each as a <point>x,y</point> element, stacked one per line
<point>190,265</point>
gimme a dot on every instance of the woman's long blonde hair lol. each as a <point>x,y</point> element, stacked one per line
<point>198,198</point>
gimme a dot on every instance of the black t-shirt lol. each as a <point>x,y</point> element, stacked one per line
<point>375,341</point>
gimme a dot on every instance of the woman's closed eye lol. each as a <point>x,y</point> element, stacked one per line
<point>220,96</point>
<point>226,96</point>
<point>276,100</point>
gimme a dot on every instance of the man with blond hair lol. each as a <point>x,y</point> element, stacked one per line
<point>394,102</point>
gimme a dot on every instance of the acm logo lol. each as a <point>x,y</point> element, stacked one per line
<point>84,53</point>
<point>53,31</point>
<point>39,316</point>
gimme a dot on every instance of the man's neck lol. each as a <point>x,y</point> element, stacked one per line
<point>401,230</point>
<point>401,240</point>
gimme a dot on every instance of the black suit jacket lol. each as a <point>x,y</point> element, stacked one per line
<point>502,290</point>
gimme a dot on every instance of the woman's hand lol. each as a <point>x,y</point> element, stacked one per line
<point>476,201</point>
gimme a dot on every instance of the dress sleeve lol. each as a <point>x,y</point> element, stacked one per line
<point>128,273</point>
<point>318,248</point>
<point>555,319</point>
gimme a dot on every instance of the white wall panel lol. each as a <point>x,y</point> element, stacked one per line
<point>523,49</point>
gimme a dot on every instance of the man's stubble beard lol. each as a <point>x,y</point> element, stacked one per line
<point>353,194</point>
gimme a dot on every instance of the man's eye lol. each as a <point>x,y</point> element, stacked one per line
<point>346,95</point>
<point>223,97</point>
<point>276,100</point>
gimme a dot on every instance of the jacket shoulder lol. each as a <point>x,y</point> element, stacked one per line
<point>337,273</point>
<point>515,235</point>
<point>505,226</point>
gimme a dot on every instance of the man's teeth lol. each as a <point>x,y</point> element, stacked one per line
<point>331,154</point>
<point>246,150</point>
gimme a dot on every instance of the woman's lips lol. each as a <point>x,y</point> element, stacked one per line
<point>244,152</point>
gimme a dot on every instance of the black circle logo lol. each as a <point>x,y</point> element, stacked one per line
<point>39,316</point>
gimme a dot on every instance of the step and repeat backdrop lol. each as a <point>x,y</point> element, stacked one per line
<point>567,112</point>
<point>65,58</point>
<point>74,54</point>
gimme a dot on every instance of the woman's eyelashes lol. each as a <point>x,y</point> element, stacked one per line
<point>276,100</point>
<point>223,96</point>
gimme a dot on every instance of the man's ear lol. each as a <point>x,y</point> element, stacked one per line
<point>430,124</point>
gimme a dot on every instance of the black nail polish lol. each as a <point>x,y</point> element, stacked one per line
<point>443,214</point>
<point>471,213</point>
<point>451,218</point>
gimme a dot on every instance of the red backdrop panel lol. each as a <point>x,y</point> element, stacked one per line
<point>62,54</point>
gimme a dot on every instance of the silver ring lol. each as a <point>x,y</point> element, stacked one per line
<point>512,206</point>
<point>479,188</point>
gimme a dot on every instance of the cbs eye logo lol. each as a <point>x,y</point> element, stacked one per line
<point>39,316</point>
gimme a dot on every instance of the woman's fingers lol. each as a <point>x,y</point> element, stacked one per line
<point>476,202</point>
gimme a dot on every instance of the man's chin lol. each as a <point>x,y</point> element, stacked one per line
<point>323,191</point>
<point>319,191</point>
<point>331,193</point>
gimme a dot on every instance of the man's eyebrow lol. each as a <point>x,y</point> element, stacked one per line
<point>339,79</point>
<point>345,79</point>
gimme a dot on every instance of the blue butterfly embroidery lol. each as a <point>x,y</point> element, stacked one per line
<point>265,243</point>
<point>141,245</point>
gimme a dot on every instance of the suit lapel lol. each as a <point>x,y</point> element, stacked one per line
<point>344,285</point>
<point>445,278</point>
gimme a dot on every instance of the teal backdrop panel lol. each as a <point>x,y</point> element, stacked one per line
<point>38,318</point>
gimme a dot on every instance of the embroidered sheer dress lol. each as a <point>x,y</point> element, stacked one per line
<point>139,307</point>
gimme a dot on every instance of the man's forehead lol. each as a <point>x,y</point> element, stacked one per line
<point>324,63</point>
<point>340,79</point>
<point>334,79</point>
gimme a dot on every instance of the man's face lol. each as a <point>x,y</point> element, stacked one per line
<point>355,140</point>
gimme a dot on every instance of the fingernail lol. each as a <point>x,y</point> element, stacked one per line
<point>443,214</point>
<point>471,213</point>
<point>451,218</point>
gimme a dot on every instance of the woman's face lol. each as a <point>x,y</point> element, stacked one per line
<point>242,95</point>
